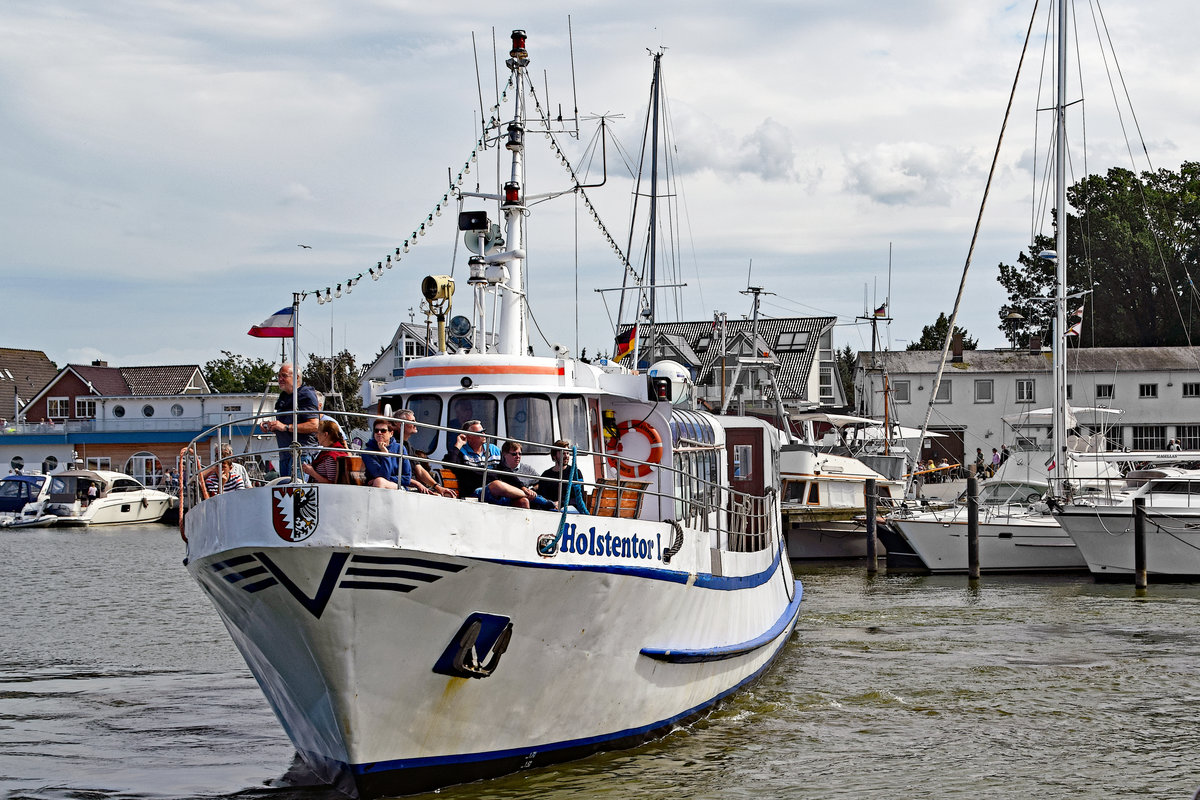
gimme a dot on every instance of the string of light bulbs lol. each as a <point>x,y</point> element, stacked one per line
<point>332,292</point>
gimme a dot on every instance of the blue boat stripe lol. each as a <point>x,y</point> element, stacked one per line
<point>234,577</point>
<point>719,583</point>
<point>677,656</point>
<point>232,562</point>
<point>255,587</point>
<point>436,761</point>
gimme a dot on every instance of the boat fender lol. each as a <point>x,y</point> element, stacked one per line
<point>677,545</point>
<point>656,449</point>
<point>145,503</point>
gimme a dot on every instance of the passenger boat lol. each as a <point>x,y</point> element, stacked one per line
<point>408,641</point>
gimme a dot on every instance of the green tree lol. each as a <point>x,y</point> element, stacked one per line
<point>845,358</point>
<point>337,375</point>
<point>1130,251</point>
<point>236,373</point>
<point>933,337</point>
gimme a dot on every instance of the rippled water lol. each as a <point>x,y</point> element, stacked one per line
<point>117,680</point>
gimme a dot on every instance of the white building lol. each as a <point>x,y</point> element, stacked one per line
<point>1156,389</point>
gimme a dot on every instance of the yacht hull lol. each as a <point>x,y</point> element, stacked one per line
<point>1105,537</point>
<point>1033,543</point>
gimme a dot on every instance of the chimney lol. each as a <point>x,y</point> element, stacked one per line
<point>1035,345</point>
<point>99,363</point>
<point>956,348</point>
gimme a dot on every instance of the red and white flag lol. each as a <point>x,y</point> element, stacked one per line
<point>277,326</point>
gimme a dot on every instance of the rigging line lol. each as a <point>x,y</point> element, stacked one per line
<point>975,236</point>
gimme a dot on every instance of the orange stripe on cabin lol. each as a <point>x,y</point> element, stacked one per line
<point>418,372</point>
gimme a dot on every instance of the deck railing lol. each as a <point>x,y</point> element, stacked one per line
<point>740,522</point>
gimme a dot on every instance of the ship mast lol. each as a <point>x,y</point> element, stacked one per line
<point>512,335</point>
<point>1060,255</point>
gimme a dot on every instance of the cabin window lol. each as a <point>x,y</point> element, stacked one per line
<point>528,417</point>
<point>468,406</point>
<point>49,464</point>
<point>814,494</point>
<point>793,491</point>
<point>58,407</point>
<point>124,485</point>
<point>427,408</point>
<point>743,462</point>
<point>573,420</point>
<point>85,408</point>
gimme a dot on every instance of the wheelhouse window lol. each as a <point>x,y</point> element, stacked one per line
<point>427,408</point>
<point>473,405</point>
<point>527,417</point>
<point>58,407</point>
<point>1026,390</point>
<point>573,420</point>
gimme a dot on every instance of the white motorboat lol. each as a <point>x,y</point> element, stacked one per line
<point>23,499</point>
<point>1104,534</point>
<point>408,641</point>
<point>80,497</point>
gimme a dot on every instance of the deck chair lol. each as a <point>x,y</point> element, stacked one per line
<point>351,471</point>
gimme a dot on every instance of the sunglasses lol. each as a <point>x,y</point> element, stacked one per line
<point>383,430</point>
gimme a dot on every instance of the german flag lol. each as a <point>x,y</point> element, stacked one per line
<point>625,343</point>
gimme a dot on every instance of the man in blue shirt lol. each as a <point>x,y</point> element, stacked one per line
<point>471,450</point>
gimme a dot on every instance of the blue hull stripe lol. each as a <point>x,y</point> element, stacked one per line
<point>643,731</point>
<point>677,656</point>
<point>702,580</point>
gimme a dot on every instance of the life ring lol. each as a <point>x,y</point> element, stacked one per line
<point>656,449</point>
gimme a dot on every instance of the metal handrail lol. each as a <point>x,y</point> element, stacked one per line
<point>743,522</point>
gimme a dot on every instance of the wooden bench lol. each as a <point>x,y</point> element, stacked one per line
<point>617,498</point>
<point>351,471</point>
<point>446,477</point>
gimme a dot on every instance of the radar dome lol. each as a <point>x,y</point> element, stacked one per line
<point>681,379</point>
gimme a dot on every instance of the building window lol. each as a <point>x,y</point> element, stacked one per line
<point>1114,439</point>
<point>85,408</point>
<point>49,465</point>
<point>1191,390</point>
<point>58,407</point>
<point>99,463</point>
<point>1025,390</point>
<point>225,408</point>
<point>1070,391</point>
<point>984,391</point>
<point>900,392</point>
<point>176,410</point>
<point>118,411</point>
<point>792,340</point>
<point>147,410</point>
<point>1104,391</point>
<point>826,379</point>
<point>1149,437</point>
<point>944,393</point>
<point>1147,391</point>
<point>17,464</point>
<point>1189,436</point>
<point>703,342</point>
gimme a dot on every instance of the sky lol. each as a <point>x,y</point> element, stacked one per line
<point>162,161</point>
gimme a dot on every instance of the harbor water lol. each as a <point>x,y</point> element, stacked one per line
<point>117,680</point>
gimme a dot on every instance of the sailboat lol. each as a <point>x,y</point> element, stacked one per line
<point>407,641</point>
<point>1018,537</point>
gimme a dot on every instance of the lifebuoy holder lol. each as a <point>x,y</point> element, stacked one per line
<point>628,470</point>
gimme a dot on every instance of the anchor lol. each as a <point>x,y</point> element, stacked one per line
<point>476,649</point>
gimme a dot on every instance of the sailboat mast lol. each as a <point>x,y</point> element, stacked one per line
<point>654,91</point>
<point>1060,301</point>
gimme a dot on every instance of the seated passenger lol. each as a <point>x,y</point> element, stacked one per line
<point>471,451</point>
<point>506,489</point>
<point>232,475</point>
<point>413,475</point>
<point>555,480</point>
<point>324,468</point>
<point>383,470</point>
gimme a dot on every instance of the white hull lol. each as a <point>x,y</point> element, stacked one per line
<point>1018,543</point>
<point>130,508</point>
<point>1105,538</point>
<point>343,630</point>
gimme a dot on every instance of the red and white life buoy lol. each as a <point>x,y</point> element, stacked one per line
<point>656,449</point>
